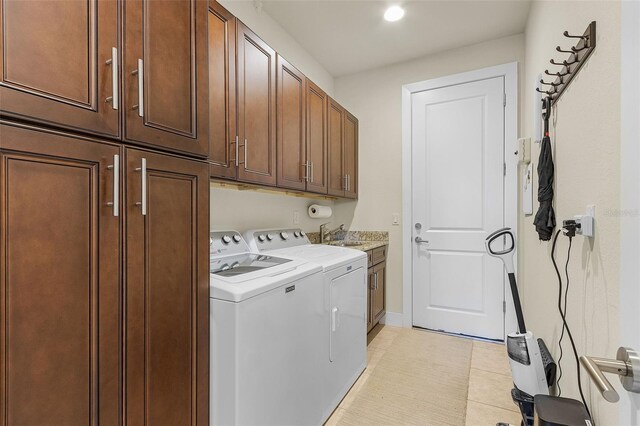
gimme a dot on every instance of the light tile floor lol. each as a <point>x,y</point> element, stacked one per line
<point>489,392</point>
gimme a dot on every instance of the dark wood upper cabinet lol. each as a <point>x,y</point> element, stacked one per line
<point>317,101</point>
<point>60,351</point>
<point>292,164</point>
<point>256,108</point>
<point>61,75</point>
<point>337,178</point>
<point>167,291</point>
<point>343,152</point>
<point>222,92</point>
<point>350,155</point>
<point>165,75</point>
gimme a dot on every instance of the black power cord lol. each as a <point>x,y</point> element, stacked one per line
<point>564,310</point>
<point>564,320</point>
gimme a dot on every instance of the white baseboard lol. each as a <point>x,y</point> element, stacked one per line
<point>394,319</point>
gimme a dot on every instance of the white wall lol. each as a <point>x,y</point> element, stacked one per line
<point>375,98</point>
<point>587,158</point>
<point>279,39</point>
<point>244,209</point>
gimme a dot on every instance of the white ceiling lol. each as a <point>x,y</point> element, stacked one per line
<point>348,36</point>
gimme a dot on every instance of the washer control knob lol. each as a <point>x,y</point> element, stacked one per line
<point>226,239</point>
<point>296,234</point>
<point>269,237</point>
<point>261,238</point>
<point>284,235</point>
<point>302,234</point>
<point>237,238</point>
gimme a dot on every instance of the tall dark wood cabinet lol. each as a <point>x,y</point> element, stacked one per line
<point>104,291</point>
<point>60,287</point>
<point>256,108</point>
<point>223,135</point>
<point>167,289</point>
<point>317,139</point>
<point>61,75</point>
<point>165,75</point>
<point>293,167</point>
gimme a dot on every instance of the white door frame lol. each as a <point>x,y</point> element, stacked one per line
<point>510,73</point>
<point>629,406</point>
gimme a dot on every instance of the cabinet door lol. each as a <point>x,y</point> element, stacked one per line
<point>337,178</point>
<point>60,74</point>
<point>317,102</point>
<point>223,136</point>
<point>350,152</point>
<point>370,290</point>
<point>256,108</point>
<point>377,303</point>
<point>291,138</point>
<point>60,284</point>
<point>165,75</point>
<point>167,290</point>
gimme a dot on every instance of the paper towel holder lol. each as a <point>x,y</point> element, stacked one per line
<point>317,211</point>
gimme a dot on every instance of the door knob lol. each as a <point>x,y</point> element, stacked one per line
<point>419,240</point>
<point>626,365</point>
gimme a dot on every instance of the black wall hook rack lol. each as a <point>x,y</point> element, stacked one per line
<point>578,55</point>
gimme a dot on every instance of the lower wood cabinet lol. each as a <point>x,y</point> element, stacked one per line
<point>103,309</point>
<point>377,284</point>
<point>60,287</point>
<point>167,290</point>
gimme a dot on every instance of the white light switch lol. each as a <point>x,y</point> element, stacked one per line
<point>395,219</point>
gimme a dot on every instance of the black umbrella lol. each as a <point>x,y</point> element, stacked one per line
<point>545,220</point>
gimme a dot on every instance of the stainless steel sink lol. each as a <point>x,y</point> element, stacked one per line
<point>346,243</point>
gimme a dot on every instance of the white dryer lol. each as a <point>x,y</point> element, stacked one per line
<point>345,300</point>
<point>266,316</point>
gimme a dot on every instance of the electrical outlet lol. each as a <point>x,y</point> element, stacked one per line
<point>586,222</point>
<point>296,217</point>
<point>395,219</point>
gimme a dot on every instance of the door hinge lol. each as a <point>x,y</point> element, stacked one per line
<point>504,307</point>
<point>504,99</point>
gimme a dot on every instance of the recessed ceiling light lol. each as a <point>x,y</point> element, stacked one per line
<point>394,13</point>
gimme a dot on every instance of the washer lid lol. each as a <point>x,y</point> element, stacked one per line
<point>237,287</point>
<point>244,263</point>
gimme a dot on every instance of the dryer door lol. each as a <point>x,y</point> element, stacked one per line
<point>348,343</point>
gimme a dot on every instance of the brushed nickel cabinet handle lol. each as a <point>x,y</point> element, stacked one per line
<point>245,153</point>
<point>311,173</point>
<point>140,72</point>
<point>116,185</point>
<point>143,174</point>
<point>375,275</point>
<point>305,177</point>
<point>114,99</point>
<point>237,151</point>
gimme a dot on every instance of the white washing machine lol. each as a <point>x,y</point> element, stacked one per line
<point>266,318</point>
<point>345,300</point>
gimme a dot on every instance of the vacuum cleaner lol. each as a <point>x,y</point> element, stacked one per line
<point>532,367</point>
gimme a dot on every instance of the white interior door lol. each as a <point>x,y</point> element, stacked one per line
<point>457,200</point>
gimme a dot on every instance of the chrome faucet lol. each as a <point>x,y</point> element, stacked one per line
<point>324,234</point>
